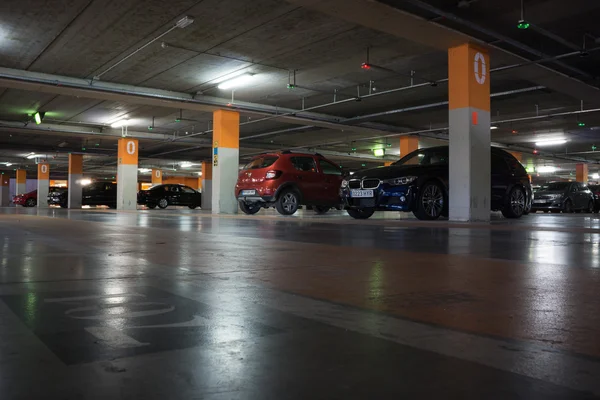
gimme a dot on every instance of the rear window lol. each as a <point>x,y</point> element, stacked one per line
<point>261,162</point>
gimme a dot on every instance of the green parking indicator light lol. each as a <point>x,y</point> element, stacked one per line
<point>38,117</point>
<point>581,123</point>
<point>594,147</point>
<point>522,24</point>
<point>362,165</point>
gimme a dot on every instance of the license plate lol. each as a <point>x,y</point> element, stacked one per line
<point>248,192</point>
<point>361,193</point>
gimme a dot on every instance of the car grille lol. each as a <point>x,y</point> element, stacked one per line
<point>370,183</point>
<point>354,184</point>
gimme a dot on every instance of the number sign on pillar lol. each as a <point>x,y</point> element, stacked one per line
<point>128,151</point>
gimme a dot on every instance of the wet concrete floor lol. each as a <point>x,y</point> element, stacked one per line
<point>179,304</point>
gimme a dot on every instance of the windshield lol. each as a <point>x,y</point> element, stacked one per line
<point>261,162</point>
<point>422,157</point>
<point>553,186</point>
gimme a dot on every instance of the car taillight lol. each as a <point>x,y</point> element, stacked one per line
<point>272,174</point>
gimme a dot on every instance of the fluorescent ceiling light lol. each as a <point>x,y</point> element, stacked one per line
<point>186,164</point>
<point>9,164</point>
<point>119,123</point>
<point>84,182</point>
<point>594,176</point>
<point>184,22</point>
<point>236,82</point>
<point>33,155</point>
<point>199,173</point>
<point>546,169</point>
<point>379,152</point>
<point>144,170</point>
<point>493,127</point>
<point>550,142</point>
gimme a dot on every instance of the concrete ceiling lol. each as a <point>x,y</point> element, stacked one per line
<point>48,48</point>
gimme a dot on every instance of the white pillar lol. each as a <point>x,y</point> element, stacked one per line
<point>226,160</point>
<point>207,185</point>
<point>43,184</point>
<point>21,182</point>
<point>4,190</point>
<point>127,174</point>
<point>469,105</point>
<point>75,177</point>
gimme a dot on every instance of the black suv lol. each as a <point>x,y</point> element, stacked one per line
<point>419,183</point>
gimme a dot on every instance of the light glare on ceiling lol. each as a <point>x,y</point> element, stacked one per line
<point>236,82</point>
<point>144,170</point>
<point>120,123</point>
<point>379,152</point>
<point>550,142</point>
<point>596,176</point>
<point>546,169</point>
<point>186,164</point>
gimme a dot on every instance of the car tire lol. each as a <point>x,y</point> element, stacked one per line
<point>151,206</point>
<point>360,213</point>
<point>249,208</point>
<point>31,202</point>
<point>568,207</point>
<point>320,210</point>
<point>514,205</point>
<point>288,202</point>
<point>163,203</point>
<point>192,207</point>
<point>431,201</point>
<point>590,208</point>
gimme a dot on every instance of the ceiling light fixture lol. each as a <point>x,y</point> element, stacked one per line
<point>120,123</point>
<point>186,164</point>
<point>546,169</point>
<point>184,22</point>
<point>596,176</point>
<point>38,117</point>
<point>379,152</point>
<point>493,127</point>
<point>236,82</point>
<point>144,170</point>
<point>550,142</point>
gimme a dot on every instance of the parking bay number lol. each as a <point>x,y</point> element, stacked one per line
<point>361,193</point>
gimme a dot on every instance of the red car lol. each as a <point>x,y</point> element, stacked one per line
<point>27,199</point>
<point>288,180</point>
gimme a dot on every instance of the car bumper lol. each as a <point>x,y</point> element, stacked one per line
<point>386,198</point>
<point>547,206</point>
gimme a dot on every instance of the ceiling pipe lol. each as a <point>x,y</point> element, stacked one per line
<point>536,117</point>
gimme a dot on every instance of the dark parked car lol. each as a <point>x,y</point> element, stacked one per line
<point>419,183</point>
<point>94,194</point>
<point>169,195</point>
<point>563,196</point>
<point>288,180</point>
<point>596,191</point>
<point>55,196</point>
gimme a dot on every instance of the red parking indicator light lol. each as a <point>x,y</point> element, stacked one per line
<point>365,66</point>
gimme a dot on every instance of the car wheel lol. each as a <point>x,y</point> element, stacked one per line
<point>568,207</point>
<point>360,213</point>
<point>151,206</point>
<point>163,203</point>
<point>288,202</point>
<point>431,202</point>
<point>30,202</point>
<point>547,211</point>
<point>249,208</point>
<point>590,208</point>
<point>515,204</point>
<point>320,210</point>
<point>192,206</point>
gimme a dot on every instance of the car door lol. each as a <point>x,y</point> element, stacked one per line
<point>573,194</point>
<point>174,195</point>
<point>586,196</point>
<point>331,175</point>
<point>90,194</point>
<point>307,177</point>
<point>186,197</point>
<point>500,179</point>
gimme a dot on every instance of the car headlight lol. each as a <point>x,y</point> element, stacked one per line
<point>404,180</point>
<point>344,183</point>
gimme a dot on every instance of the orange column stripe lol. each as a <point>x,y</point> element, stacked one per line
<point>44,171</point>
<point>21,176</point>
<point>581,172</point>
<point>4,180</point>
<point>157,176</point>
<point>200,183</point>
<point>226,129</point>
<point>408,144</point>
<point>469,77</point>
<point>128,151</point>
<point>207,170</point>
<point>75,164</point>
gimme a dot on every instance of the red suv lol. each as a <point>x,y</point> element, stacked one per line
<point>287,180</point>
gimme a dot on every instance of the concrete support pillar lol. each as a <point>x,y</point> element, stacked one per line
<point>21,181</point>
<point>207,175</point>
<point>156,177</point>
<point>127,174</point>
<point>75,177</point>
<point>408,144</point>
<point>470,154</point>
<point>43,185</point>
<point>581,173</point>
<point>4,188</point>
<point>226,160</point>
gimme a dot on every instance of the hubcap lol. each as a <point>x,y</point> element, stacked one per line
<point>517,202</point>
<point>162,203</point>
<point>432,200</point>
<point>289,202</point>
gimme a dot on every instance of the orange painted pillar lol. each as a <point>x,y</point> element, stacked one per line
<point>581,173</point>
<point>21,181</point>
<point>226,160</point>
<point>157,177</point>
<point>43,184</point>
<point>408,144</point>
<point>469,116</point>
<point>206,185</point>
<point>4,189</point>
<point>127,174</point>
<point>518,155</point>
<point>75,176</point>
<point>388,163</point>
